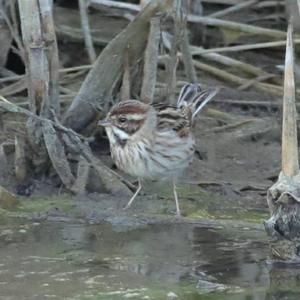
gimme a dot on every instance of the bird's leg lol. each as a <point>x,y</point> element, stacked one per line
<point>178,213</point>
<point>134,196</point>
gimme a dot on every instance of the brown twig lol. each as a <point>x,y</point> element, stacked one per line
<point>187,56</point>
<point>114,4</point>
<point>224,75</point>
<point>111,180</point>
<point>244,47</point>
<point>125,88</point>
<point>250,29</point>
<point>51,51</point>
<point>151,58</point>
<point>251,82</point>
<point>86,30</point>
<point>233,9</point>
<point>172,61</point>
<point>36,60</point>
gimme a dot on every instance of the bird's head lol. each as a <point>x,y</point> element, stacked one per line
<point>125,120</point>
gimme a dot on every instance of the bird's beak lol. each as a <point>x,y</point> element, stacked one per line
<point>104,123</point>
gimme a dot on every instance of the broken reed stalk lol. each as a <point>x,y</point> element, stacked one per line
<point>75,35</point>
<point>290,162</point>
<point>57,154</point>
<point>225,2</point>
<point>36,60</point>
<point>283,197</point>
<point>7,199</point>
<point>5,38</point>
<point>114,4</point>
<point>250,29</point>
<point>12,24</point>
<point>125,88</point>
<point>61,71</point>
<point>187,57</point>
<point>83,6</point>
<point>151,59</point>
<point>112,181</point>
<point>51,51</point>
<point>82,176</point>
<point>222,59</point>
<point>20,160</point>
<point>15,24</point>
<point>251,82</point>
<point>233,9</point>
<point>16,87</point>
<point>202,51</point>
<point>256,103</point>
<point>172,60</point>
<point>224,75</point>
<point>234,63</point>
<point>136,8</point>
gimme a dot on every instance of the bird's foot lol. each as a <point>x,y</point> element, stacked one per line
<point>178,214</point>
<point>126,207</point>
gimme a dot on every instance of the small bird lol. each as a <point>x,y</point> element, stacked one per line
<point>155,141</point>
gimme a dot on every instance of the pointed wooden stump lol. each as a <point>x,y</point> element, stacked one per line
<point>284,196</point>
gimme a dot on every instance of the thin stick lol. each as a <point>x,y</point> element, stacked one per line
<point>257,103</point>
<point>114,4</point>
<point>151,58</point>
<point>251,82</point>
<point>244,47</point>
<point>62,71</point>
<point>232,9</point>
<point>224,60</point>
<point>236,64</point>
<point>250,29</point>
<point>76,35</point>
<point>86,30</point>
<point>269,88</point>
<point>225,2</point>
<point>187,56</point>
<point>228,61</point>
<point>269,3</point>
<point>13,29</point>
<point>125,89</point>
<point>74,69</point>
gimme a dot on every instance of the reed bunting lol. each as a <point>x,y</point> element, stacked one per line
<point>155,141</point>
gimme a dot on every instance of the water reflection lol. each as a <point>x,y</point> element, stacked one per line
<point>76,261</point>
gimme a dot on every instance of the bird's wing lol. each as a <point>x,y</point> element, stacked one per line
<point>173,118</point>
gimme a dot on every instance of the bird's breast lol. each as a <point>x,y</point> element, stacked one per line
<point>162,157</point>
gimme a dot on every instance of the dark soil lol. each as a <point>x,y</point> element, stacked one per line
<point>234,166</point>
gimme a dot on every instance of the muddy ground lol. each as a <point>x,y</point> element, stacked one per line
<point>237,159</point>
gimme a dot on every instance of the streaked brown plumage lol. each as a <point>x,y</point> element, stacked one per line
<point>155,141</point>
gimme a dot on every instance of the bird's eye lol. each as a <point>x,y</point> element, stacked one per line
<point>122,120</point>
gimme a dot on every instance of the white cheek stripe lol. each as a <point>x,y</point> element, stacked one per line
<point>122,135</point>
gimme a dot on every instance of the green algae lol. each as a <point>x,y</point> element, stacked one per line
<point>35,205</point>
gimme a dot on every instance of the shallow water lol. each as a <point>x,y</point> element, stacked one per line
<point>172,261</point>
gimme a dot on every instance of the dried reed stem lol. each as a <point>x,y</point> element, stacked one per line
<point>151,59</point>
<point>83,6</point>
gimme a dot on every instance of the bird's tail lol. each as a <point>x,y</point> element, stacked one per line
<point>194,97</point>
